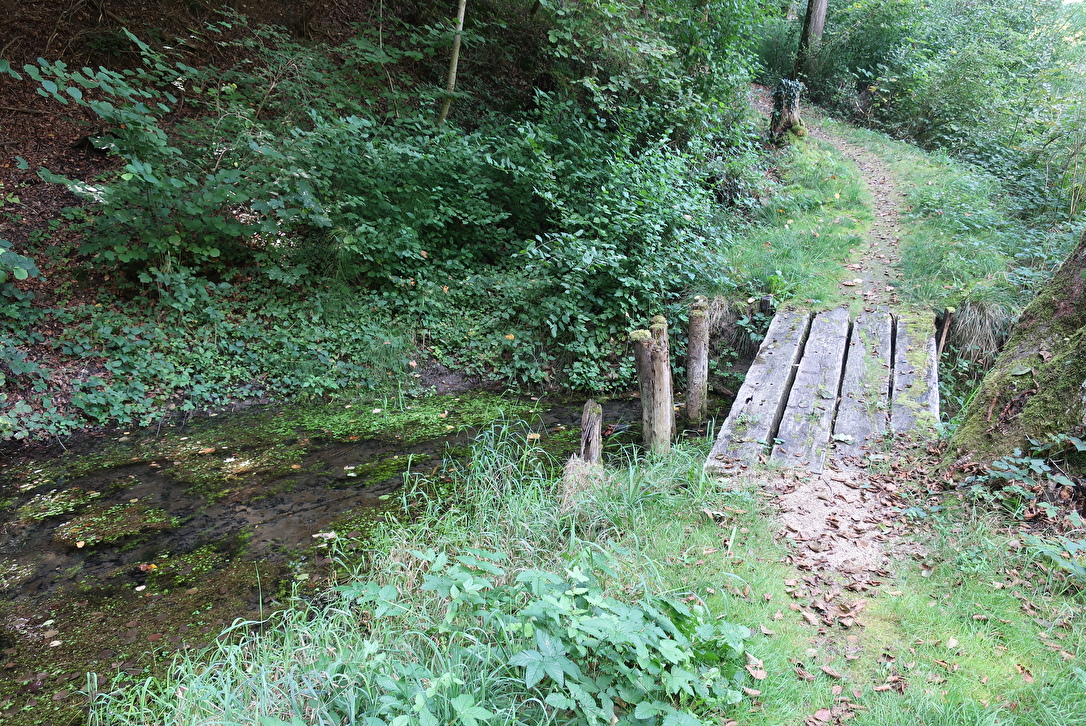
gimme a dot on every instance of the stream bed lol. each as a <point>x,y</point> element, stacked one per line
<point>132,546</point>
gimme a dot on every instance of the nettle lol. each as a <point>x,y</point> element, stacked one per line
<point>1029,483</point>
<point>561,647</point>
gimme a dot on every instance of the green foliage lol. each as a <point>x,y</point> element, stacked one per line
<point>996,84</point>
<point>210,344</point>
<point>573,646</point>
<point>1066,554</point>
<point>1029,484</point>
<point>16,265</point>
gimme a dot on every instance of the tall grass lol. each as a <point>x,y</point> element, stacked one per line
<point>328,661</point>
<point>954,625</point>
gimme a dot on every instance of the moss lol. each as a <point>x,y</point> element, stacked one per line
<point>104,525</point>
<point>417,420</point>
<point>1035,388</point>
<point>374,472</point>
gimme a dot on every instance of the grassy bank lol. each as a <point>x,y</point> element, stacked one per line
<point>495,606</point>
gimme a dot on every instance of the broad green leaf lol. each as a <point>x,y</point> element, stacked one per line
<point>467,712</point>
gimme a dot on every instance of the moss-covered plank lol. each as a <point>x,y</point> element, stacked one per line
<point>864,410</point>
<point>915,393</point>
<point>761,400</point>
<point>804,434</point>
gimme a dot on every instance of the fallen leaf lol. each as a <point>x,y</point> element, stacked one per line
<point>831,672</point>
<point>952,643</point>
<point>752,692</point>
<point>208,450</point>
<point>766,631</point>
<point>804,675</point>
<point>822,715</point>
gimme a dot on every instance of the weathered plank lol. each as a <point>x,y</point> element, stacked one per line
<point>804,435</point>
<point>864,410</point>
<point>915,393</point>
<point>761,399</point>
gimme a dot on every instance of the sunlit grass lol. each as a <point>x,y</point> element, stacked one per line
<point>801,238</point>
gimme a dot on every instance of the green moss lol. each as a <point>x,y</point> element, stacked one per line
<point>104,525</point>
<point>187,569</point>
<point>417,420</point>
<point>377,471</point>
<point>54,503</point>
<point>1035,388</point>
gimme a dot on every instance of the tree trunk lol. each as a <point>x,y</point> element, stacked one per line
<point>813,23</point>
<point>1037,386</point>
<point>450,87</point>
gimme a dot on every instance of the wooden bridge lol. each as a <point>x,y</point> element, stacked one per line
<point>825,386</point>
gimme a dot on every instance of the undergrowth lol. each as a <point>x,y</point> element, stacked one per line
<point>501,601</point>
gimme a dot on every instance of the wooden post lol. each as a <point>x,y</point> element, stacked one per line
<point>642,345</point>
<point>591,431</point>
<point>697,363</point>
<point>947,320</point>
<point>663,407</point>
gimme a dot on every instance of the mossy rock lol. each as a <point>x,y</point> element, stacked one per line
<point>1037,387</point>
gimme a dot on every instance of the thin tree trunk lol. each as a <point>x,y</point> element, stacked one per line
<point>450,87</point>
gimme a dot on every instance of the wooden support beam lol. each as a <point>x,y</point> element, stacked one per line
<point>663,406</point>
<point>697,363</point>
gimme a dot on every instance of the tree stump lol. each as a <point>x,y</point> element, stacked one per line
<point>697,363</point>
<point>785,114</point>
<point>591,431</point>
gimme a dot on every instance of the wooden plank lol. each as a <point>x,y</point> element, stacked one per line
<point>915,394</point>
<point>804,435</point>
<point>761,399</point>
<point>864,410</point>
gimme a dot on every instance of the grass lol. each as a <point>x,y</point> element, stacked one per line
<point>961,248</point>
<point>968,635</point>
<point>800,239</point>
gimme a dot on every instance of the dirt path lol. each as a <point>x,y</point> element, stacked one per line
<point>875,273</point>
<point>843,523</point>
